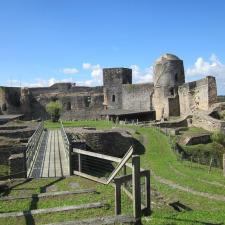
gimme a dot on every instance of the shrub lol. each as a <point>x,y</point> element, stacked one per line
<point>218,137</point>
<point>54,109</point>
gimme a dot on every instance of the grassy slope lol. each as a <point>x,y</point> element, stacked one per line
<point>160,158</point>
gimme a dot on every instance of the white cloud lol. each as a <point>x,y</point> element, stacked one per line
<point>96,74</point>
<point>213,67</point>
<point>86,66</point>
<point>37,82</point>
<point>70,71</point>
<point>142,76</point>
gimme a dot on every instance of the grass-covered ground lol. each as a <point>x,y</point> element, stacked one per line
<point>4,170</point>
<point>105,193</point>
<point>166,166</point>
<point>164,163</point>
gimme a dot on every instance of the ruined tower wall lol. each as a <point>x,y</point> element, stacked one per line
<point>10,100</point>
<point>137,97</point>
<point>168,74</point>
<point>197,95</point>
<point>81,105</point>
<point>113,79</point>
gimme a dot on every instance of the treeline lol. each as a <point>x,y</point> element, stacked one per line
<point>221,98</point>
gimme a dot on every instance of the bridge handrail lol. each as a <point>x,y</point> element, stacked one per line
<point>66,145</point>
<point>32,144</point>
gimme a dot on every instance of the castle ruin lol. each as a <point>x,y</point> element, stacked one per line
<point>168,96</point>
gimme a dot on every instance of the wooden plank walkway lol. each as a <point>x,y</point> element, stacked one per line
<point>51,160</point>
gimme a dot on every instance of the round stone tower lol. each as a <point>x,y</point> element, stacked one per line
<point>168,75</point>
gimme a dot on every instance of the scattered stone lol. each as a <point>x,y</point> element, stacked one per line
<point>51,188</point>
<point>74,185</point>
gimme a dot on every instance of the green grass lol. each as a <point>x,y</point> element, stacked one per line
<point>103,124</point>
<point>105,193</point>
<point>4,170</point>
<point>193,130</point>
<point>165,163</point>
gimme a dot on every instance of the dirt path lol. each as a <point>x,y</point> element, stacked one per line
<point>189,190</point>
<point>215,183</point>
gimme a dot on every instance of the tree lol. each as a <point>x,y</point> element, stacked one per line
<point>54,109</point>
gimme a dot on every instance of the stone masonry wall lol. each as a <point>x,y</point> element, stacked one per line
<point>113,79</point>
<point>197,95</point>
<point>137,96</point>
<point>114,143</point>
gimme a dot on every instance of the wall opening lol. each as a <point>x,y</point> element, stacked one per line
<point>4,107</point>
<point>68,106</point>
<point>171,91</point>
<point>113,98</point>
<point>176,77</point>
<point>87,101</point>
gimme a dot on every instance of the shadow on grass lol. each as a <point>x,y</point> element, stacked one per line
<point>34,202</point>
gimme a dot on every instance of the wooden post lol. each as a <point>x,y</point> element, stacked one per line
<point>224,164</point>
<point>117,198</point>
<point>79,163</point>
<point>210,165</point>
<point>136,187</point>
<point>70,160</point>
<point>148,194</point>
<point>125,173</point>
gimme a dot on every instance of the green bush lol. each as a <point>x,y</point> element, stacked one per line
<point>222,115</point>
<point>54,109</point>
<point>219,138</point>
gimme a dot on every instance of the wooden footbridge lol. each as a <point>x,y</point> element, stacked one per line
<point>47,154</point>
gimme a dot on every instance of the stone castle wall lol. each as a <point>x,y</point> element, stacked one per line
<point>113,79</point>
<point>168,95</point>
<point>137,96</point>
<point>197,95</point>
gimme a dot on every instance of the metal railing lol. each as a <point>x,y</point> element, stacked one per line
<point>67,146</point>
<point>32,145</point>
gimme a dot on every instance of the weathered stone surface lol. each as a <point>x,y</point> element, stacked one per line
<point>167,96</point>
<point>112,142</point>
<point>195,139</point>
<point>17,166</point>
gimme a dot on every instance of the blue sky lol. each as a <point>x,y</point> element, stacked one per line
<point>47,41</point>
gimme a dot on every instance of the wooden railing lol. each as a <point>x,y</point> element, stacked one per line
<point>139,193</point>
<point>120,165</point>
<point>32,146</point>
<point>136,194</point>
<point>67,146</point>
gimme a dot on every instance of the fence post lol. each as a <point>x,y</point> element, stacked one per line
<point>136,187</point>
<point>224,164</point>
<point>148,194</point>
<point>79,163</point>
<point>70,160</point>
<point>117,197</point>
<point>210,165</point>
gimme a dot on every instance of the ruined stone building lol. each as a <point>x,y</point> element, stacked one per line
<point>168,95</point>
